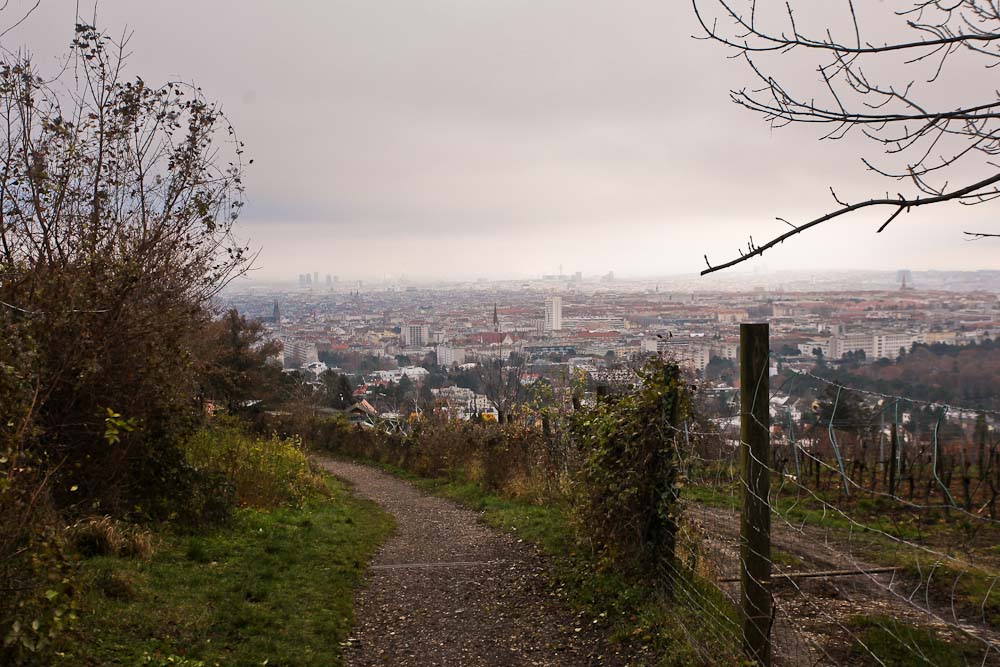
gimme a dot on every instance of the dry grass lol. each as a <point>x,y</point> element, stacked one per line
<point>104,536</point>
<point>513,459</point>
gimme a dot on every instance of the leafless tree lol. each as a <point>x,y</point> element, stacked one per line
<point>117,205</point>
<point>502,374</point>
<point>918,87</point>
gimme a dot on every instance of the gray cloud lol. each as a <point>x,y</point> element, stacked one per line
<point>595,134</point>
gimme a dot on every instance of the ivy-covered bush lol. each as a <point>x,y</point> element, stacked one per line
<point>36,572</point>
<point>36,588</point>
<point>626,495</point>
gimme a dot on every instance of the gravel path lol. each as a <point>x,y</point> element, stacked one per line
<point>446,589</point>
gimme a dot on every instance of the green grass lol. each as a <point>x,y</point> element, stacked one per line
<point>785,558</point>
<point>898,644</point>
<point>275,588</point>
<point>973,586</point>
<point>795,510</point>
<point>670,634</point>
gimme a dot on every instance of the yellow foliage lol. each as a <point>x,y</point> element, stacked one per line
<point>264,471</point>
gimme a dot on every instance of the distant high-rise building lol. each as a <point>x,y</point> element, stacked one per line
<point>316,277</point>
<point>298,353</point>
<point>309,279</point>
<point>329,280</point>
<point>415,335</point>
<point>302,280</point>
<point>553,313</point>
<point>448,355</point>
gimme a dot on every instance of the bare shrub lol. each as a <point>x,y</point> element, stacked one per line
<point>119,199</point>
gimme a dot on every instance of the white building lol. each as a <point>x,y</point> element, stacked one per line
<point>888,345</point>
<point>695,356</point>
<point>553,313</point>
<point>463,403</point>
<point>726,350</point>
<point>457,395</point>
<point>655,345</point>
<point>416,335</point>
<point>316,369</point>
<point>298,353</point>
<point>686,354</point>
<point>447,355</point>
<point>598,323</point>
<point>809,348</point>
<point>415,373</point>
<point>885,345</point>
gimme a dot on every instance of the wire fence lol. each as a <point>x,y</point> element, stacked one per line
<point>885,538</point>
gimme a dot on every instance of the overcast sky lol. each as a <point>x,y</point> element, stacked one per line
<point>466,138</point>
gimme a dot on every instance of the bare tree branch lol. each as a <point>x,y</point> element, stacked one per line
<point>900,204</point>
<point>919,136</point>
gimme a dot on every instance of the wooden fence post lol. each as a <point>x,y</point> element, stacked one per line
<point>893,454</point>
<point>755,519</point>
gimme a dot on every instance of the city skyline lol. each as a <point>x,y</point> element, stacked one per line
<point>735,281</point>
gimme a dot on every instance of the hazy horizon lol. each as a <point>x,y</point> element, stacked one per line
<point>737,280</point>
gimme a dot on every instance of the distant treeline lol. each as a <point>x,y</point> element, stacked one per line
<point>961,375</point>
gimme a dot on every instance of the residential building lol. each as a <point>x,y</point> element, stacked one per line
<point>298,353</point>
<point>553,313</point>
<point>448,355</point>
<point>416,335</point>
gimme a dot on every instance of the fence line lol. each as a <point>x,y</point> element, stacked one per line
<point>943,567</point>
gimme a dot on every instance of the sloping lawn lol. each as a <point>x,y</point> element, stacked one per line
<point>274,588</point>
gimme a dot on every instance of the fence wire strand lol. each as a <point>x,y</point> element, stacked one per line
<point>838,524</point>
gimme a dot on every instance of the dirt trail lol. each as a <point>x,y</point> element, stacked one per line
<point>447,590</point>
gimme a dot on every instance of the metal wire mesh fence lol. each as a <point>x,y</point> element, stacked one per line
<point>884,541</point>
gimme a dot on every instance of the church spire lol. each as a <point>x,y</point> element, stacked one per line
<point>496,319</point>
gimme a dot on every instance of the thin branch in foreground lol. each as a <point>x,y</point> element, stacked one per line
<point>898,202</point>
<point>920,136</point>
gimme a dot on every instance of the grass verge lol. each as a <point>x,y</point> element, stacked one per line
<point>888,642</point>
<point>274,588</point>
<point>967,581</point>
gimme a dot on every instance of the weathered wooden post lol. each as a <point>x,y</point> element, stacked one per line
<point>893,454</point>
<point>755,523</point>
